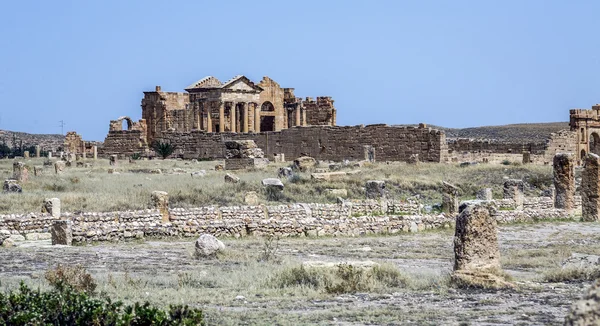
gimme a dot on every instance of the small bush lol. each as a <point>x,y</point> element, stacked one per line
<point>299,276</point>
<point>163,149</point>
<point>505,162</point>
<point>351,279</point>
<point>389,276</point>
<point>136,156</point>
<point>70,307</point>
<point>55,187</point>
<point>270,248</point>
<point>274,194</point>
<point>75,277</point>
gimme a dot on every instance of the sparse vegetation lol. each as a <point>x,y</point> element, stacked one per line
<point>164,149</point>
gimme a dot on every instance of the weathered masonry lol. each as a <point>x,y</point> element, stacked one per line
<point>323,143</point>
<point>586,125</point>
<point>238,105</point>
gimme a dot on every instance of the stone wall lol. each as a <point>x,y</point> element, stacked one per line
<point>323,143</point>
<point>123,143</point>
<point>345,219</point>
<point>320,112</point>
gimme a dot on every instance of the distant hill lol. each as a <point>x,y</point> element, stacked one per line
<point>50,142</point>
<point>521,132</point>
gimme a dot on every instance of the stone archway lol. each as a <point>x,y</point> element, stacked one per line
<point>118,125</point>
<point>594,144</point>
<point>267,107</point>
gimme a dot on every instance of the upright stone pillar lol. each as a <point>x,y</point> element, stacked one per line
<point>232,118</point>
<point>95,152</point>
<point>304,123</point>
<point>375,189</point>
<point>62,233</point>
<point>476,254</point>
<point>297,122</point>
<point>484,194</point>
<point>590,188</point>
<point>112,160</point>
<point>26,154</point>
<point>564,181</point>
<point>244,117</point>
<point>256,118</point>
<point>20,172</point>
<point>449,198</point>
<point>160,201</point>
<point>52,207</point>
<point>49,154</point>
<point>526,157</point>
<point>83,156</point>
<point>221,117</point>
<point>37,151</point>
<point>513,189</point>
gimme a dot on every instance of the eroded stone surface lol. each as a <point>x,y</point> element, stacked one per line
<point>513,190</point>
<point>208,246</point>
<point>564,181</point>
<point>586,311</point>
<point>160,201</point>
<point>449,198</point>
<point>476,239</point>
<point>375,189</point>
<point>590,188</point>
<point>62,233</point>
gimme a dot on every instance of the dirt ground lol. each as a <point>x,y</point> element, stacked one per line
<point>236,288</point>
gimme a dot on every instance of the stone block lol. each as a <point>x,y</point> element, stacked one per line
<point>160,201</point>
<point>564,181</point>
<point>59,167</point>
<point>375,189</point>
<point>12,185</point>
<point>449,198</point>
<point>484,194</point>
<point>62,233</point>
<point>52,207</point>
<point>20,172</point>
<point>590,188</point>
<point>230,178</point>
<point>513,189</point>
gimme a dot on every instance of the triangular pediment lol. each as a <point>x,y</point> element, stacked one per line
<point>206,82</point>
<point>241,83</point>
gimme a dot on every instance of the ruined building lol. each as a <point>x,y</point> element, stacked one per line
<point>586,125</point>
<point>238,105</point>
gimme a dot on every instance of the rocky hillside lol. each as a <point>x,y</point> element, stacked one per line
<point>515,133</point>
<point>46,142</point>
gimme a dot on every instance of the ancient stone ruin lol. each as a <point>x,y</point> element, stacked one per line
<point>449,198</point>
<point>243,154</point>
<point>564,181</point>
<point>476,253</point>
<point>586,311</point>
<point>513,190</point>
<point>590,188</point>
<point>375,189</point>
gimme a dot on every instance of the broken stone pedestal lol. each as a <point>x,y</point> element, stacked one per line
<point>564,181</point>
<point>449,198</point>
<point>513,189</point>
<point>20,172</point>
<point>160,201</point>
<point>375,189</point>
<point>62,233</point>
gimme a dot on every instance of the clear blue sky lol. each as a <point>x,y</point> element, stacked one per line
<point>449,63</point>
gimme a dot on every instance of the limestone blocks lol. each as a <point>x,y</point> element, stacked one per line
<point>160,201</point>
<point>450,198</point>
<point>11,185</point>
<point>484,194</point>
<point>476,253</point>
<point>375,189</point>
<point>62,233</point>
<point>304,163</point>
<point>59,167</point>
<point>208,246</point>
<point>52,207</point>
<point>590,188</point>
<point>273,183</point>
<point>513,190</point>
<point>231,178</point>
<point>564,181</point>
<point>112,160</point>
<point>20,172</point>
<point>243,154</point>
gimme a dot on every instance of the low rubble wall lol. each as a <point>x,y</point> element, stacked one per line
<point>345,219</point>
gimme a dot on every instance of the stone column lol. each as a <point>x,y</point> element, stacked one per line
<point>590,188</point>
<point>95,151</point>
<point>513,189</point>
<point>221,117</point>
<point>207,110</point>
<point>475,238</point>
<point>160,201</point>
<point>244,117</point>
<point>26,154</point>
<point>37,151</point>
<point>20,172</point>
<point>52,207</point>
<point>526,157</point>
<point>564,181</point>
<point>297,122</point>
<point>304,123</point>
<point>83,155</point>
<point>232,115</point>
<point>449,198</point>
<point>62,233</point>
<point>49,154</point>
<point>256,118</point>
<point>198,116</point>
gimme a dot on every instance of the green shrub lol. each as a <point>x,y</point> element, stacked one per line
<point>163,149</point>
<point>70,307</point>
<point>299,276</point>
<point>350,279</point>
<point>137,156</point>
<point>506,162</point>
<point>571,274</point>
<point>75,277</point>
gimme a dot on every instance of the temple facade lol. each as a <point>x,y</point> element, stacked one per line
<point>236,106</point>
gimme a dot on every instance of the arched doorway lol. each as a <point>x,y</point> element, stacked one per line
<point>267,122</point>
<point>594,144</point>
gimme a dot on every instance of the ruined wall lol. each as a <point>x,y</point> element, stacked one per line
<point>347,219</point>
<point>564,141</point>
<point>164,110</point>
<point>73,143</point>
<point>273,93</point>
<point>123,143</point>
<point>320,112</point>
<point>487,146</point>
<point>323,143</point>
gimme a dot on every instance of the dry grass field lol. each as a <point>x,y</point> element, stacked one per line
<point>247,285</point>
<point>94,189</point>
